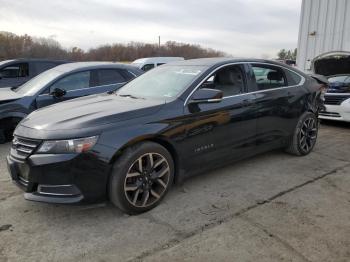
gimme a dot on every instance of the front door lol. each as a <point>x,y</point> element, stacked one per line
<point>219,132</point>
<point>75,85</point>
<point>83,84</point>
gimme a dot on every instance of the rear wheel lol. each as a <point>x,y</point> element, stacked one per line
<point>305,135</point>
<point>141,178</point>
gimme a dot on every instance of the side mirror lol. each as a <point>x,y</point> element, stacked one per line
<point>57,92</point>
<point>206,95</point>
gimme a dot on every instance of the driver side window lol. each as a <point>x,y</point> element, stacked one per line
<point>73,82</point>
<point>230,80</point>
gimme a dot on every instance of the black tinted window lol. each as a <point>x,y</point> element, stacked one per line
<point>73,82</point>
<point>128,75</point>
<point>147,67</point>
<point>43,66</point>
<point>293,78</point>
<point>15,70</point>
<point>110,76</point>
<point>269,77</point>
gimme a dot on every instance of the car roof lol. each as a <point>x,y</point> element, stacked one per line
<point>221,60</point>
<point>158,59</point>
<point>91,65</point>
<point>218,61</point>
<point>34,60</point>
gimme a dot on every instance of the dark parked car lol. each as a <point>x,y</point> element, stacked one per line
<point>174,121</point>
<point>58,84</point>
<point>16,72</point>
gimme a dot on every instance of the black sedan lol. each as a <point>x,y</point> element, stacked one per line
<point>59,84</point>
<point>172,122</point>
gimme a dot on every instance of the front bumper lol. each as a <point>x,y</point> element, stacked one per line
<point>337,112</point>
<point>60,178</point>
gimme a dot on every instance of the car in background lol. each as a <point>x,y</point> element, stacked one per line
<point>337,99</point>
<point>59,84</point>
<point>177,120</point>
<point>149,63</point>
<point>289,62</point>
<point>16,72</point>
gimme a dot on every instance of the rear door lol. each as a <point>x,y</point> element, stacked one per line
<point>109,80</point>
<point>275,102</point>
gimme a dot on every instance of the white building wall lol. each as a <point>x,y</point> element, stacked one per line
<point>324,28</point>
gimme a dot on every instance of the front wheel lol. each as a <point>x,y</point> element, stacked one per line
<point>141,178</point>
<point>304,137</point>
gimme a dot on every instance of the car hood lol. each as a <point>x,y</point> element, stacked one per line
<point>89,112</point>
<point>6,94</point>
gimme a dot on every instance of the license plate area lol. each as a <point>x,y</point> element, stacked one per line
<point>19,173</point>
<point>23,172</point>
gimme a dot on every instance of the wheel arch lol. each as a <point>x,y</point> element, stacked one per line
<point>161,140</point>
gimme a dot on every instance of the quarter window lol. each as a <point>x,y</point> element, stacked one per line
<point>73,82</point>
<point>147,67</point>
<point>293,78</point>
<point>15,70</point>
<point>269,77</point>
<point>110,76</point>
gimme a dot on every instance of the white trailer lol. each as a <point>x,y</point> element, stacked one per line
<point>324,37</point>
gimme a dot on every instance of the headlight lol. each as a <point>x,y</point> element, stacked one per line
<point>68,146</point>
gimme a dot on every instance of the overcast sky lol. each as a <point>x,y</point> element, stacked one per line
<point>253,28</point>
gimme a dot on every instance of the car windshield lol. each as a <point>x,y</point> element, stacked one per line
<point>163,83</point>
<point>341,79</point>
<point>34,85</point>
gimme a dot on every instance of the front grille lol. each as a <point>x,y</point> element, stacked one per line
<point>335,99</point>
<point>331,114</point>
<point>22,148</point>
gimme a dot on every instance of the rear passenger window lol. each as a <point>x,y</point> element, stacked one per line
<point>269,77</point>
<point>110,76</point>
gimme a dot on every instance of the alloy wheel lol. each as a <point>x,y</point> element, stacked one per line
<point>308,134</point>
<point>147,180</point>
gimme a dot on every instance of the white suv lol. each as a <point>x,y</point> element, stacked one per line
<point>337,99</point>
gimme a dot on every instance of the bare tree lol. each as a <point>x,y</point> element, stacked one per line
<point>14,46</point>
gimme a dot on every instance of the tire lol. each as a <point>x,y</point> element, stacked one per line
<point>304,137</point>
<point>6,133</point>
<point>2,136</point>
<point>141,177</point>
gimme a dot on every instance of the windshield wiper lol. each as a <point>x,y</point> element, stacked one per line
<point>131,96</point>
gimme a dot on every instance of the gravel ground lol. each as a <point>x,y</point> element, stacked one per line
<point>273,207</point>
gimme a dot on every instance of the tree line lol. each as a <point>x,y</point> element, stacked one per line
<point>25,46</point>
<point>284,54</point>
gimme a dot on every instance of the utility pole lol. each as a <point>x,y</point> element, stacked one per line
<point>159,41</point>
